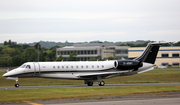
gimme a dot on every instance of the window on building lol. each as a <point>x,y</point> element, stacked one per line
<point>82,53</point>
<point>165,55</point>
<point>88,52</point>
<point>118,51</point>
<point>124,51</point>
<point>175,64</point>
<point>78,52</point>
<point>62,53</point>
<point>175,55</point>
<point>165,64</point>
<point>92,52</point>
<point>95,52</point>
<point>85,59</point>
<point>85,52</point>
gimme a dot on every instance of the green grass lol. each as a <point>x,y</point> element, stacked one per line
<point>168,75</point>
<point>60,93</point>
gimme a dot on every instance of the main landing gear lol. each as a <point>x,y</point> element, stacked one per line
<point>102,83</point>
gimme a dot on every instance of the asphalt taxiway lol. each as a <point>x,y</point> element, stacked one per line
<point>106,85</point>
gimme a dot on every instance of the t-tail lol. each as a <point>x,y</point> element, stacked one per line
<point>150,53</point>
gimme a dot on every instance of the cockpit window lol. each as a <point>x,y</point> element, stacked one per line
<point>22,66</point>
<point>28,66</point>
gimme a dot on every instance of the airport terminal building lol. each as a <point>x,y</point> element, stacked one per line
<point>166,56</point>
<point>93,50</point>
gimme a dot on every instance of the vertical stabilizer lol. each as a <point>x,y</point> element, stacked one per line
<point>150,53</point>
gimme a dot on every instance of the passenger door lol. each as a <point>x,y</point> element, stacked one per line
<point>36,68</point>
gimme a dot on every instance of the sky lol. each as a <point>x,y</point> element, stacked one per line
<point>27,21</point>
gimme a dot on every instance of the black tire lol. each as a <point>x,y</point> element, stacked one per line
<point>17,85</point>
<point>90,83</point>
<point>102,83</point>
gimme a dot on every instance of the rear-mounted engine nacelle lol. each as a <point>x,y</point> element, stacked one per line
<point>127,65</point>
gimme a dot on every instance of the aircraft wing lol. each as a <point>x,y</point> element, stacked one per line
<point>102,74</point>
<point>112,74</point>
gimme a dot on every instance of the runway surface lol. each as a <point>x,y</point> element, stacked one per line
<point>164,101</point>
<point>70,86</point>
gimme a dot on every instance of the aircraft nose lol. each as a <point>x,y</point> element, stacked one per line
<point>5,75</point>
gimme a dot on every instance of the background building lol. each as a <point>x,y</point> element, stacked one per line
<point>165,56</point>
<point>93,50</point>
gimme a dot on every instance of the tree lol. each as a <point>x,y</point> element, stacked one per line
<point>37,46</point>
<point>5,43</point>
<point>17,60</point>
<point>92,59</point>
<point>113,58</point>
<point>72,57</point>
<point>9,42</point>
<point>52,55</point>
<point>60,58</point>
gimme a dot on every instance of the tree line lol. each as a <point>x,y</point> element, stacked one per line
<point>12,54</point>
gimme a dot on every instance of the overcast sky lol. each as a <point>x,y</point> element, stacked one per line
<point>89,20</point>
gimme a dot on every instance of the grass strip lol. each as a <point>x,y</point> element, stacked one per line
<point>9,96</point>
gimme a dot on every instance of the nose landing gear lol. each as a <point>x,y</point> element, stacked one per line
<point>16,85</point>
<point>14,78</point>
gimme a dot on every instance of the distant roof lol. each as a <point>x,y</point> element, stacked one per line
<point>93,44</point>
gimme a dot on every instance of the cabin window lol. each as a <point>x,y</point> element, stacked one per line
<point>102,66</point>
<point>71,66</point>
<point>44,66</point>
<point>76,66</point>
<point>54,67</point>
<point>58,67</point>
<point>28,66</point>
<point>92,66</point>
<point>87,66</point>
<point>81,66</point>
<point>63,67</point>
<point>97,66</point>
<point>66,66</point>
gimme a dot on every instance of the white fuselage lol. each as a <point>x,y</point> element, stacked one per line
<point>70,70</point>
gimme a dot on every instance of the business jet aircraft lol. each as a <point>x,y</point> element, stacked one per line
<point>89,71</point>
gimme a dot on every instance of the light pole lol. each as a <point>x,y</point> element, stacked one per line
<point>38,53</point>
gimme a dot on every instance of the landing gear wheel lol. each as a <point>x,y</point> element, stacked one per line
<point>16,85</point>
<point>102,83</point>
<point>90,83</point>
